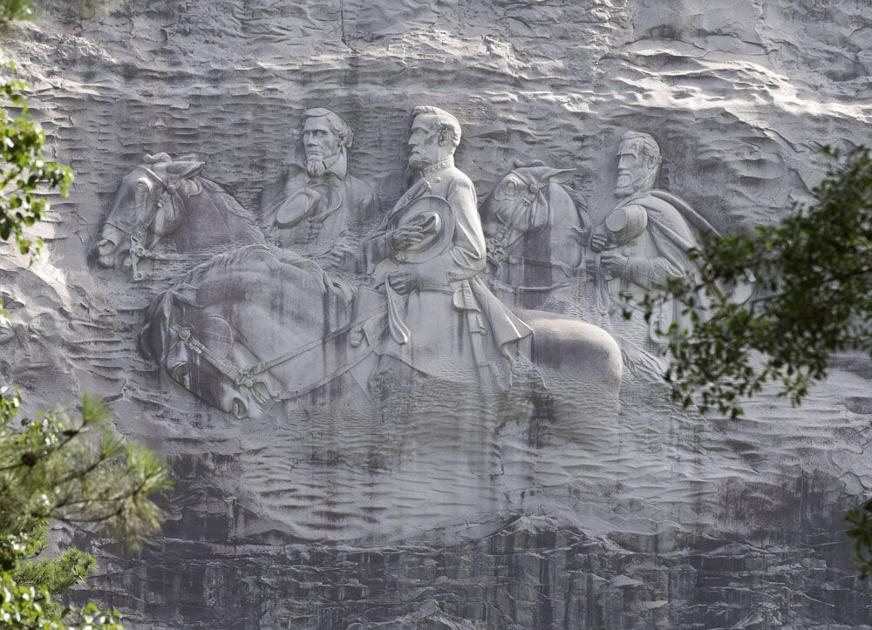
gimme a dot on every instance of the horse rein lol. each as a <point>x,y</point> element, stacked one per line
<point>137,250</point>
<point>532,192</point>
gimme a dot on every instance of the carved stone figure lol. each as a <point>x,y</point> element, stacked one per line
<point>642,243</point>
<point>165,209</point>
<point>533,230</point>
<point>317,205</point>
<point>250,329</point>
<point>257,326</point>
<point>428,261</point>
<point>420,355</point>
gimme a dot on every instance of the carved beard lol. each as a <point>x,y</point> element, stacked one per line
<point>625,185</point>
<point>634,182</point>
<point>417,163</point>
<point>315,166</point>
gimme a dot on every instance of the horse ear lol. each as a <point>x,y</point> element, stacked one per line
<point>185,170</point>
<point>156,158</point>
<point>534,163</point>
<point>558,175</point>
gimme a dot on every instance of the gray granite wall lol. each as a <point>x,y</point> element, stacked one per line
<point>474,513</point>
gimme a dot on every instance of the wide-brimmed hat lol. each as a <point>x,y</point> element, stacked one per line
<point>435,216</point>
<point>626,223</point>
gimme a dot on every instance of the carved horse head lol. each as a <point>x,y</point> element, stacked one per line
<point>523,201</point>
<point>148,206</point>
<point>533,230</point>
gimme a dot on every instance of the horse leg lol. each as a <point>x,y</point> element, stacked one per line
<point>575,402</point>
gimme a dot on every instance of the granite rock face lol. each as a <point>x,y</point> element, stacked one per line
<point>392,500</point>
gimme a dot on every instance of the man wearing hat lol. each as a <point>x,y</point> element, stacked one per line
<point>427,262</point>
<point>317,205</point>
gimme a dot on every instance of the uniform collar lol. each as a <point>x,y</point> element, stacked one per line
<point>338,166</point>
<point>441,165</point>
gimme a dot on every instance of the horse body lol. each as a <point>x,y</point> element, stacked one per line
<point>164,209</point>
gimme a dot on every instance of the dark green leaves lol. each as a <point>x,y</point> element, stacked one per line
<point>80,472</point>
<point>860,520</point>
<point>812,296</point>
<point>25,176</point>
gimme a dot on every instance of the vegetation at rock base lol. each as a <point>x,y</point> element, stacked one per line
<point>812,298</point>
<point>54,468</point>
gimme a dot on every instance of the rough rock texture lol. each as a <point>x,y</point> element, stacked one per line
<point>664,520</point>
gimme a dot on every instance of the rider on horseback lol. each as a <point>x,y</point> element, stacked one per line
<point>428,261</point>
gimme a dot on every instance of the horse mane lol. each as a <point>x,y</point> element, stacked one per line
<point>270,255</point>
<point>231,204</point>
<point>558,192</point>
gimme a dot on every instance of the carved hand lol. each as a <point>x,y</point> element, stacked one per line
<point>105,251</point>
<point>599,242</point>
<point>403,281</point>
<point>614,265</point>
<point>341,256</point>
<point>405,237</point>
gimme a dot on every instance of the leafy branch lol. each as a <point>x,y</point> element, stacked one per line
<point>812,297</point>
<point>53,468</point>
<point>25,176</point>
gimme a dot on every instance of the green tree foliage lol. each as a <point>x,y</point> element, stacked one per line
<point>812,298</point>
<point>79,472</point>
<point>54,468</point>
<point>25,176</point>
<point>12,10</point>
<point>15,10</point>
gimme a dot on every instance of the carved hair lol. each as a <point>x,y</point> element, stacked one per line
<point>448,125</point>
<point>337,125</point>
<point>650,148</point>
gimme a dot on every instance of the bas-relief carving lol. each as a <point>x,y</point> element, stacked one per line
<point>427,261</point>
<point>248,329</point>
<point>262,329</point>
<point>165,210</point>
<point>641,244</point>
<point>681,494</point>
<point>317,206</point>
<point>533,231</point>
<point>426,304</point>
<point>267,327</point>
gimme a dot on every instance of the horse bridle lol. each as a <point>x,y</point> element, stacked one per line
<point>141,226</point>
<point>534,189</point>
<point>137,250</point>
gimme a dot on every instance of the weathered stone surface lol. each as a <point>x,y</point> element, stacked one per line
<point>467,512</point>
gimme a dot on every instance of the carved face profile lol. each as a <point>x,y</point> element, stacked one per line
<point>426,145</point>
<point>637,164</point>
<point>320,143</point>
